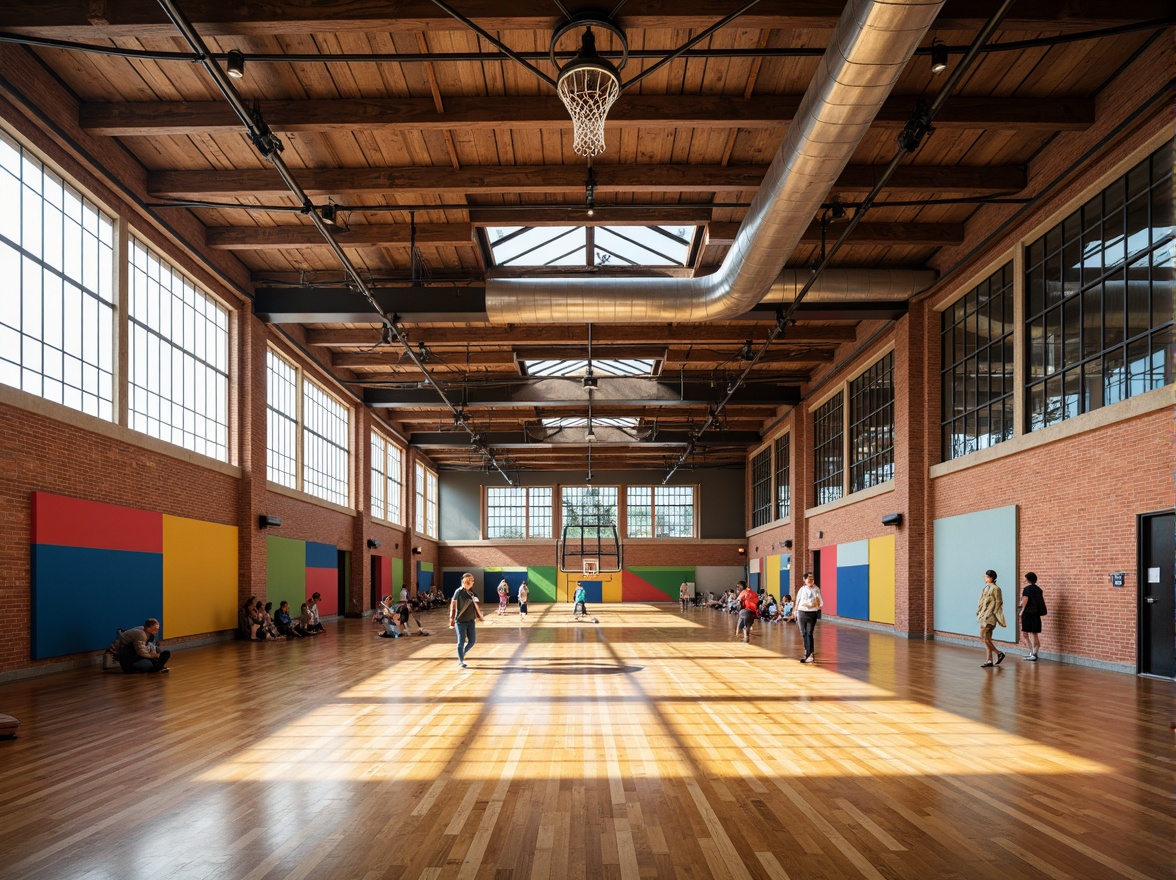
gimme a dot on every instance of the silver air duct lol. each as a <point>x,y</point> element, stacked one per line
<point>850,285</point>
<point>870,47</point>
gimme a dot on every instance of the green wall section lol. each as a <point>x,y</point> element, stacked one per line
<point>541,581</point>
<point>397,576</point>
<point>667,580</point>
<point>285,572</point>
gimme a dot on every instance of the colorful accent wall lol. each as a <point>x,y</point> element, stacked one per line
<point>773,574</point>
<point>965,547</point>
<point>424,576</point>
<point>113,567</point>
<point>857,579</point>
<point>295,569</point>
<point>547,584</point>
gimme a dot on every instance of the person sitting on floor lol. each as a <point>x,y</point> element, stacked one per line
<point>136,650</point>
<point>316,625</point>
<point>266,631</point>
<point>786,608</point>
<point>305,620</point>
<point>285,624</point>
<point>246,625</point>
<point>385,616</point>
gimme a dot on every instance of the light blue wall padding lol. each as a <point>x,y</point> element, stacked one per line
<point>81,596</point>
<point>853,590</point>
<point>854,553</point>
<point>965,546</point>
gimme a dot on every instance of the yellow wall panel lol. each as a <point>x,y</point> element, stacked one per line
<point>199,577</point>
<point>770,580</point>
<point>882,579</point>
<point>610,586</point>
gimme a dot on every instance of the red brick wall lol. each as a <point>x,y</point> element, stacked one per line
<point>39,453</point>
<point>665,553</point>
<point>1077,502</point>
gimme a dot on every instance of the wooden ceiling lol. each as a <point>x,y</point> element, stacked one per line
<point>425,121</point>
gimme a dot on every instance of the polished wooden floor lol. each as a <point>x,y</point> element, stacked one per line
<point>650,744</point>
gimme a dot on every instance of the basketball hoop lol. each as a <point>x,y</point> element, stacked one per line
<point>591,567</point>
<point>589,84</point>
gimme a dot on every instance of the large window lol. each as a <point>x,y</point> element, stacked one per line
<point>518,512</point>
<point>307,440</point>
<point>589,505</point>
<point>783,452</point>
<point>871,426</point>
<point>57,310</point>
<point>828,452</point>
<point>178,357</point>
<point>761,488</point>
<point>387,479</point>
<point>659,512</point>
<point>977,339</point>
<point>425,493</point>
<point>1098,316</point>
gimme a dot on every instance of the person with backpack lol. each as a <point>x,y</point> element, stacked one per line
<point>1032,610</point>
<point>580,598</point>
<point>464,614</point>
<point>748,603</point>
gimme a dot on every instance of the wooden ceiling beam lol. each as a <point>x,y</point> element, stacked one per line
<point>548,179</point>
<point>86,19</point>
<point>290,237</point>
<point>602,334</point>
<point>252,238</point>
<point>490,114</point>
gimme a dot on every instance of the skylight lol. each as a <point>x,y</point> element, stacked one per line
<point>604,367</point>
<point>582,422</point>
<point>611,246</point>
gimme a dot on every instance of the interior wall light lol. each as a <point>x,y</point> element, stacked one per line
<point>373,543</point>
<point>236,64</point>
<point>417,551</point>
<point>938,57</point>
<point>265,521</point>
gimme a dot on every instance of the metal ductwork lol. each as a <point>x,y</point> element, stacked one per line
<point>850,285</point>
<point>869,48</point>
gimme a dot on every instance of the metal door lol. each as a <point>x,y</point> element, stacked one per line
<point>1157,594</point>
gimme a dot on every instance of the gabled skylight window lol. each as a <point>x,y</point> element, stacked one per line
<point>605,367</point>
<point>616,247</point>
<point>582,422</point>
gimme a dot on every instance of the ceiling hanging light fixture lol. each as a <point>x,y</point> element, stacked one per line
<point>589,84</point>
<point>938,57</point>
<point>235,65</point>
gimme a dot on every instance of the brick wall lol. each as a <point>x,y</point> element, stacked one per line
<point>654,553</point>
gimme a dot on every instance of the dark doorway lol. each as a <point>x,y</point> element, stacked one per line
<point>1157,594</point>
<point>375,597</point>
<point>344,579</point>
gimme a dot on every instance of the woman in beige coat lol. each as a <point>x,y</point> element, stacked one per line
<point>990,613</point>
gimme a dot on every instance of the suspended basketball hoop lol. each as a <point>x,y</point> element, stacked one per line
<point>589,84</point>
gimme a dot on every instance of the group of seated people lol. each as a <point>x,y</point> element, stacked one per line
<point>259,622</point>
<point>393,619</point>
<point>769,609</point>
<point>424,601</point>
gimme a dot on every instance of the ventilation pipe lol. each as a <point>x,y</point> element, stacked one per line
<point>871,44</point>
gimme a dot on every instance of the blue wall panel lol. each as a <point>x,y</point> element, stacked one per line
<point>81,596</point>
<point>321,555</point>
<point>493,576</point>
<point>593,591</point>
<point>450,582</point>
<point>853,590</point>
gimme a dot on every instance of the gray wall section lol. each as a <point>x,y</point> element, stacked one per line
<point>720,496</point>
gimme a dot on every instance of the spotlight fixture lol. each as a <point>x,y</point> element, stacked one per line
<point>748,351</point>
<point>938,57</point>
<point>590,194</point>
<point>373,543</point>
<point>837,211</point>
<point>591,435</point>
<point>590,380</point>
<point>787,543</point>
<point>236,64</point>
<point>417,551</point>
<point>330,215</point>
<point>423,352</point>
<point>266,521</point>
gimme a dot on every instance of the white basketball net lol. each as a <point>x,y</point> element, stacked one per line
<point>588,93</point>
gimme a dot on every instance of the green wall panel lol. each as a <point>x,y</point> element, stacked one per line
<point>397,575</point>
<point>668,580</point>
<point>541,581</point>
<point>285,571</point>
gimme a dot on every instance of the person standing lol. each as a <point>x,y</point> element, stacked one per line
<point>808,611</point>
<point>748,605</point>
<point>580,598</point>
<point>524,594</point>
<point>136,650</point>
<point>683,595</point>
<point>464,614</point>
<point>1032,610</point>
<point>503,596</point>
<point>990,614</point>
